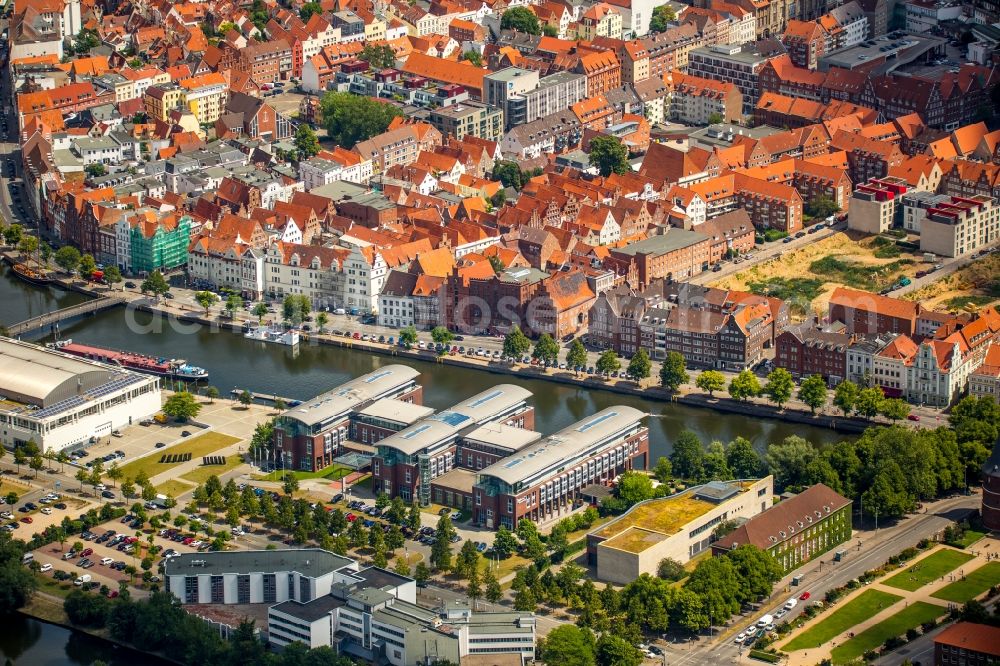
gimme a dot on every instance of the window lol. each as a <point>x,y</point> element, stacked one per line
<point>218,593</point>
<point>191,589</point>
<point>291,586</point>
<point>270,589</point>
<point>243,589</point>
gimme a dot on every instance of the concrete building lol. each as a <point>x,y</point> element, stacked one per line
<point>985,380</point>
<point>796,530</point>
<point>310,435</point>
<point>679,527</point>
<point>804,350</point>
<point>407,462</point>
<point>960,226</point>
<point>468,118</point>
<point>915,205</point>
<point>865,313</point>
<point>542,481</point>
<point>61,401</point>
<point>874,205</point>
<point>524,97</point>
<point>731,63</point>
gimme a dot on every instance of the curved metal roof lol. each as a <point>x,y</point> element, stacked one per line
<point>40,376</point>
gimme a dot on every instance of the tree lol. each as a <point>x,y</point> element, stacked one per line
<point>609,155</point>
<point>520,19</point>
<point>408,336</point>
<point>20,458</point>
<point>779,386</point>
<point>663,471</point>
<point>45,250</point>
<point>12,235</point>
<point>82,476</point>
<point>743,460</point>
<point>181,406</point>
<point>845,396</point>
<point>670,569</point>
<point>673,372</point>
<point>614,650</point>
<point>112,275</point>
<point>894,409</point>
<point>467,560</point>
<point>234,302</point>
<point>442,335</point>
<point>115,473</point>
<point>868,402</point>
<point>570,645</point>
<point>639,367</point>
<point>493,592</point>
<point>504,543</point>
<point>27,245</point>
<point>307,11</point>
<point>546,350</point>
<point>37,463</point>
<point>687,458</point>
<point>205,299</point>
<point>290,484</point>
<point>155,284</point>
<point>96,170</point>
<point>351,118</point>
<point>576,357</point>
<point>306,142</point>
<point>744,386</point>
<point>812,391</point>
<point>211,393</point>
<point>715,118</point>
<point>789,460</point>
<point>295,308</point>
<point>87,266</point>
<point>515,343</point>
<point>711,381</point>
<point>260,311</point>
<point>128,488</point>
<point>508,173</point>
<point>473,57</point>
<point>378,56</point>
<point>634,487</point>
<point>662,16</point>
<point>421,574</point>
<point>245,398</point>
<point>821,206</point>
<point>608,362</point>
<point>321,321</point>
<point>441,550</point>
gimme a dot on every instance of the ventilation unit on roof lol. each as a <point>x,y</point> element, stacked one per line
<point>772,538</point>
<point>782,533</point>
<point>826,508</point>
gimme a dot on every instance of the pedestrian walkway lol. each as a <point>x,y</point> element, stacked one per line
<point>982,551</point>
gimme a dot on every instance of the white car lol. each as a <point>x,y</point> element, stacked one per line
<point>740,638</point>
<point>47,511</point>
<point>46,567</point>
<point>6,515</point>
<point>105,561</point>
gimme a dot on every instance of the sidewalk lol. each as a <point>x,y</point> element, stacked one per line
<point>922,594</point>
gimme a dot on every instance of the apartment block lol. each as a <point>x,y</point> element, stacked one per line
<point>874,205</point>
<point>805,350</point>
<point>732,64</point>
<point>700,101</point>
<point>960,226</point>
<point>468,119</point>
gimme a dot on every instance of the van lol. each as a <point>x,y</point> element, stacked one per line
<point>764,621</point>
<point>797,579</point>
<point>840,555</point>
<point>85,578</point>
<point>27,558</point>
<point>791,603</point>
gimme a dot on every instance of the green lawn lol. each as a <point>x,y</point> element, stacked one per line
<point>975,583</point>
<point>910,617</point>
<point>333,473</point>
<point>970,537</point>
<point>928,569</point>
<point>199,446</point>
<point>201,473</point>
<point>174,488</point>
<point>862,607</point>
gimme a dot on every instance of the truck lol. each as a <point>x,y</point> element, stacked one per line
<point>85,578</point>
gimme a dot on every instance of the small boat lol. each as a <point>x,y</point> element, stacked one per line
<point>30,275</point>
<point>273,334</point>
<point>174,368</point>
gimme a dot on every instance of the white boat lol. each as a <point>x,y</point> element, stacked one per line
<point>273,334</point>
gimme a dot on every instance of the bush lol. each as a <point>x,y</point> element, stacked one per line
<point>771,235</point>
<point>765,656</point>
<point>911,634</point>
<point>928,625</point>
<point>887,252</point>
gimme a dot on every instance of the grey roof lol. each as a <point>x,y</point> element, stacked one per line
<point>565,448</point>
<point>352,394</point>
<point>43,377</point>
<point>674,239</point>
<point>381,578</point>
<point>504,436</point>
<point>309,562</point>
<point>311,611</point>
<point>475,411</point>
<point>397,411</point>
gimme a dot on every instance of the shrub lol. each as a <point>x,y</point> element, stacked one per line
<point>928,625</point>
<point>765,656</point>
<point>771,235</point>
<point>911,634</point>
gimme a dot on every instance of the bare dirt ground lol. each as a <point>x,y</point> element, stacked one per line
<point>847,246</point>
<point>973,282</point>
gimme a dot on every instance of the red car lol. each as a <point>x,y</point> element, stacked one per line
<point>913,417</point>
<point>805,596</point>
<point>351,517</point>
<point>86,551</point>
<point>27,519</point>
<point>188,541</point>
<point>112,594</point>
<point>357,336</point>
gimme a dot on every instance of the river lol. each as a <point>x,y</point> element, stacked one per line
<point>31,642</point>
<point>235,362</point>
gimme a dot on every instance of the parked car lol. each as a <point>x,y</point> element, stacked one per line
<point>45,567</point>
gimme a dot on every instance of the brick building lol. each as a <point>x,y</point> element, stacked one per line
<point>865,313</point>
<point>805,350</point>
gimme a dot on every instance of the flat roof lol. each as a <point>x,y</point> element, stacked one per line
<point>398,411</point>
<point>474,411</point>
<point>310,611</point>
<point>457,479</point>
<point>503,436</point>
<point>674,239</point>
<point>637,529</point>
<point>351,394</point>
<point>381,578</point>
<point>309,562</point>
<point>565,446</point>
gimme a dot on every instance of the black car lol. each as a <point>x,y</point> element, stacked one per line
<point>160,445</point>
<point>168,295</point>
<point>108,494</point>
<point>130,285</point>
<point>185,433</point>
<point>60,505</point>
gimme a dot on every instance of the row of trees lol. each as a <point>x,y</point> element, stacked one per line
<point>546,350</point>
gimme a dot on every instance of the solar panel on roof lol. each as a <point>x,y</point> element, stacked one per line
<point>450,418</point>
<point>377,376</point>
<point>417,431</point>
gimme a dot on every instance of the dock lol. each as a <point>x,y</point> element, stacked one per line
<point>266,398</point>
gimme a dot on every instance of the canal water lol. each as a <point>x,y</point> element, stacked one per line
<point>234,362</point>
<point>27,641</point>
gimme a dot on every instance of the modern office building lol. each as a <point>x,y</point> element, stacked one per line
<point>795,530</point>
<point>407,462</point>
<point>310,435</point>
<point>525,97</point>
<point>541,481</point>
<point>468,119</point>
<point>733,63</point>
<point>679,527</point>
<point>61,401</point>
<point>321,599</point>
